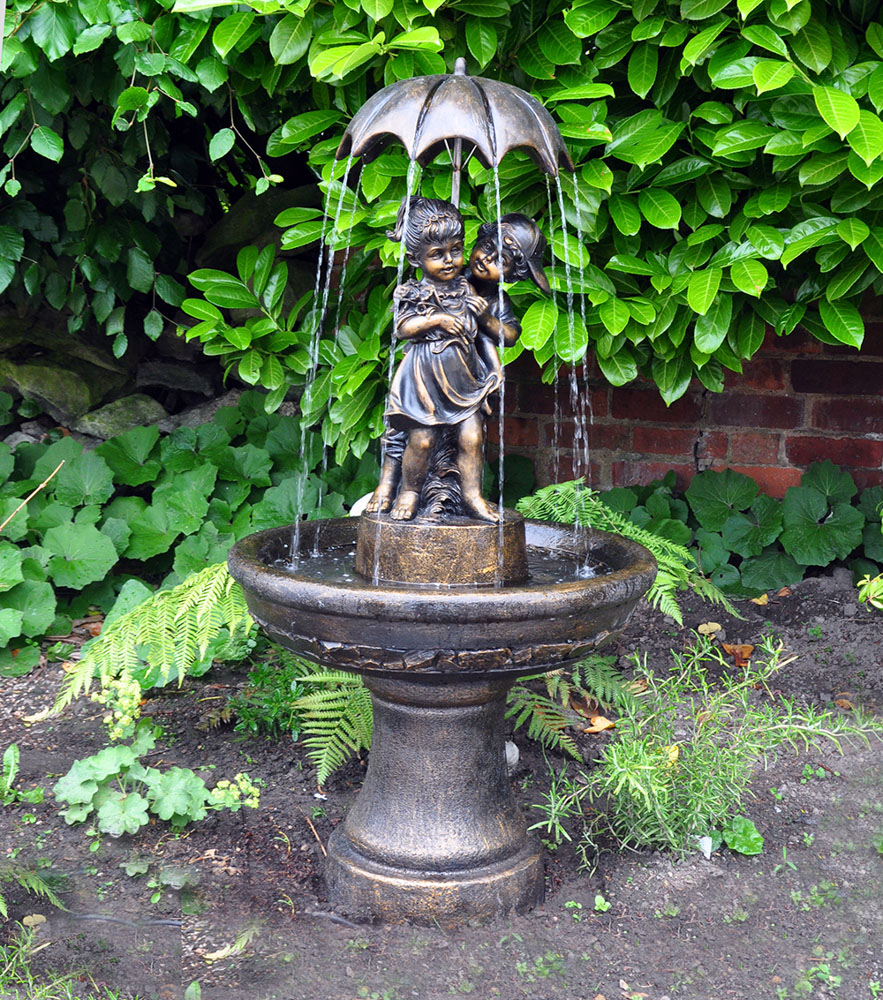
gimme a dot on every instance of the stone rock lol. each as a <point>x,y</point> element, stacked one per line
<point>175,375</point>
<point>66,388</point>
<point>121,415</point>
<point>17,438</point>
<point>200,414</point>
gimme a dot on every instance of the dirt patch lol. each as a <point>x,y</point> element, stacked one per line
<point>805,917</point>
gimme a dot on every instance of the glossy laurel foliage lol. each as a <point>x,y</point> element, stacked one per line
<point>728,165</point>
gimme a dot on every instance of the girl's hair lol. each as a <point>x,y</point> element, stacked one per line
<point>430,221</point>
<point>523,243</point>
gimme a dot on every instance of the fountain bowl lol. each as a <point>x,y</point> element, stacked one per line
<point>330,614</point>
<point>436,835</point>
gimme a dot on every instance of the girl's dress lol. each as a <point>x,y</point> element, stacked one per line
<point>442,378</point>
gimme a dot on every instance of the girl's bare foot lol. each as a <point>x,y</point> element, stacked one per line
<point>478,507</point>
<point>380,501</point>
<point>405,506</point>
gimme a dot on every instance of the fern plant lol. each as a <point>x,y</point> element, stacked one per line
<point>548,715</point>
<point>337,719</point>
<point>164,638</point>
<point>574,502</point>
<point>30,881</point>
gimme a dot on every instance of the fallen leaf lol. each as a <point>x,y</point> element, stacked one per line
<point>599,996</point>
<point>741,652</point>
<point>844,703</point>
<point>40,716</point>
<point>95,628</point>
<point>638,686</point>
<point>599,724</point>
<point>623,985</point>
<point>33,920</point>
<point>587,707</point>
<point>68,665</point>
<point>709,628</point>
<point>671,754</point>
<point>784,592</point>
<point>763,599</point>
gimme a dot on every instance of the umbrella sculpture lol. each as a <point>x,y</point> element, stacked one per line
<point>431,113</point>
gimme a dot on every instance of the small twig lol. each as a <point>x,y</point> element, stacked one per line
<point>315,834</point>
<point>31,495</point>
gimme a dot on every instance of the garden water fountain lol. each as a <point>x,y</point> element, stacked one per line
<point>441,613</point>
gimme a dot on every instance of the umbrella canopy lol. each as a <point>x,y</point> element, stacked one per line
<point>430,113</point>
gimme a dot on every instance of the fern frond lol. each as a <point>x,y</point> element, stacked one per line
<point>337,719</point>
<point>574,502</point>
<point>171,631</point>
<point>30,881</point>
<point>598,677</point>
<point>546,720</point>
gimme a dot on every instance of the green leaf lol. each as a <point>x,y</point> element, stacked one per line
<point>620,368</point>
<point>81,554</point>
<point>291,38</point>
<point>35,600</point>
<point>221,143</point>
<point>53,29</point>
<point>139,270</point>
<point>714,195</point>
<point>625,215</point>
<point>10,628</point>
<point>843,321</point>
<point>768,242</point>
<point>230,31</point>
<point>418,38</point>
<point>128,456</point>
<point>91,38</point>
<point>559,44</point>
<point>642,69</point>
<point>568,248</point>
<point>10,566</point>
<point>83,480</point>
<point>538,323</point>
<point>853,232</point>
<point>119,812</point>
<point>597,174</point>
<point>816,533</point>
<point>749,533</point>
<point>839,110</point>
<point>712,328</point>
<point>867,137</point>
<point>749,276</point>
<point>185,498</point>
<point>812,45</point>
<point>223,289</point>
<point>822,169</point>
<point>771,570</point>
<point>178,792</point>
<point>153,324</point>
<point>587,20</point>
<point>702,289</point>
<point>481,40</point>
<point>660,208</point>
<point>12,243</point>
<point>766,38</point>
<point>742,836</point>
<point>835,485</point>
<point>700,44</point>
<point>740,136</point>
<point>673,377</point>
<point>770,74</point>
<point>698,10</point>
<point>715,496</point>
<point>571,338</point>
<point>615,315</point>
<point>212,73</point>
<point>47,143</point>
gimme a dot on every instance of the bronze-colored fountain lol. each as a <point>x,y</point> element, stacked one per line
<point>438,599</point>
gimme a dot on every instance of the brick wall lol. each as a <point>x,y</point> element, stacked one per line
<point>798,401</point>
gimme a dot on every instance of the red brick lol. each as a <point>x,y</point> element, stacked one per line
<point>852,415</point>
<point>800,341</point>
<point>640,473</point>
<point>746,410</point>
<point>615,437</point>
<point>713,444</point>
<point>847,378</point>
<point>517,432</point>
<point>761,373</point>
<point>860,452</point>
<point>866,477</point>
<point>569,467</point>
<point>756,447</point>
<point>664,441</point>
<point>771,479</point>
<point>873,342</point>
<point>635,403</point>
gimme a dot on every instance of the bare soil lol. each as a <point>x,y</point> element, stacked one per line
<point>803,918</point>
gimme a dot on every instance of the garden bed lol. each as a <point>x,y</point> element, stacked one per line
<point>236,902</point>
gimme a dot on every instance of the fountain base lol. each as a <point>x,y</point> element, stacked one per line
<point>436,835</point>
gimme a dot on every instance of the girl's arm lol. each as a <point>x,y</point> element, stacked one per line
<point>491,326</point>
<point>412,327</point>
